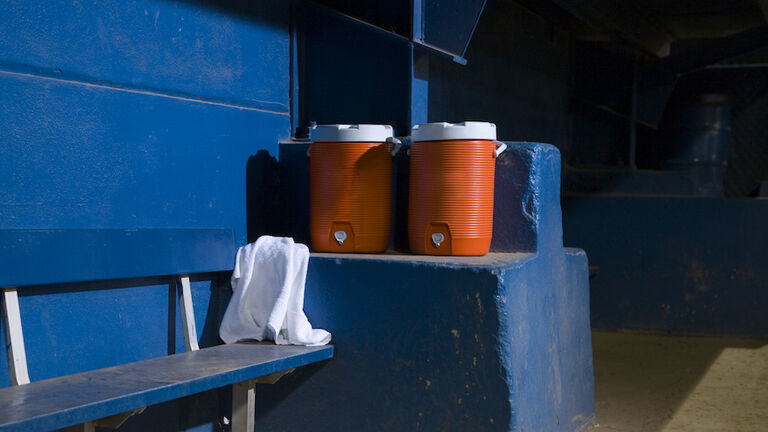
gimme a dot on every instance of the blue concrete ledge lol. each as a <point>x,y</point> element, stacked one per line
<point>500,342</point>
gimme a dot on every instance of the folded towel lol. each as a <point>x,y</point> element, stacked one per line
<point>268,295</point>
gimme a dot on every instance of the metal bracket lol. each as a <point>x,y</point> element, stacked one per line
<point>244,400</point>
<point>82,427</point>
<point>111,422</point>
<point>274,377</point>
<point>117,420</point>
<point>17,355</point>
<point>188,314</point>
<point>243,406</point>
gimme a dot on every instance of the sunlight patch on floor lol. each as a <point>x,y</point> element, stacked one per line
<point>732,395</point>
<point>659,383</point>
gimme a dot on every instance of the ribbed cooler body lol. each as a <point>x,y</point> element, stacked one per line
<point>350,191</point>
<point>451,194</point>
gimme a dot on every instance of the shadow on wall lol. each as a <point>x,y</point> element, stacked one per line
<point>221,292</point>
<point>262,201</point>
<point>277,196</point>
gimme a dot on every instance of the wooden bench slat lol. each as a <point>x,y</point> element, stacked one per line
<point>38,257</point>
<point>73,399</point>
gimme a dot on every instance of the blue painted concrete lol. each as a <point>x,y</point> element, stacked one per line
<point>526,210</point>
<point>500,342</point>
<point>446,344</point>
<point>680,265</point>
<point>546,341</point>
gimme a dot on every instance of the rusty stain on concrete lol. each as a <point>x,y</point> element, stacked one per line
<point>479,302</point>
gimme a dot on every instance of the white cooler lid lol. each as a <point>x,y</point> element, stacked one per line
<point>442,131</point>
<point>351,133</point>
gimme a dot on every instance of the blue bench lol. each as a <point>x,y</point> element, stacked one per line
<point>106,397</point>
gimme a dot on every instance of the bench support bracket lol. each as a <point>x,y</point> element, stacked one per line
<point>243,406</point>
<point>274,377</point>
<point>83,427</point>
<point>188,314</point>
<point>244,400</point>
<point>117,420</point>
<point>17,356</point>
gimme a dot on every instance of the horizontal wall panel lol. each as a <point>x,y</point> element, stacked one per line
<point>218,51</point>
<point>78,156</point>
<point>98,254</point>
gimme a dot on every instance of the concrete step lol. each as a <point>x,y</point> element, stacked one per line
<point>499,342</point>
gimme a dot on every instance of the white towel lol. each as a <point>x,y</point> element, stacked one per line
<point>268,295</point>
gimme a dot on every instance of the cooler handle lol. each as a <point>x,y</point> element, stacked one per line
<point>396,144</point>
<point>500,147</point>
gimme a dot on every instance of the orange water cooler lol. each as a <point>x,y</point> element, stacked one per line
<point>450,208</point>
<point>350,179</point>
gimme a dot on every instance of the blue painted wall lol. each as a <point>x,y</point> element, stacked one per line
<point>674,264</point>
<point>126,115</point>
<point>218,50</point>
<point>137,116</point>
